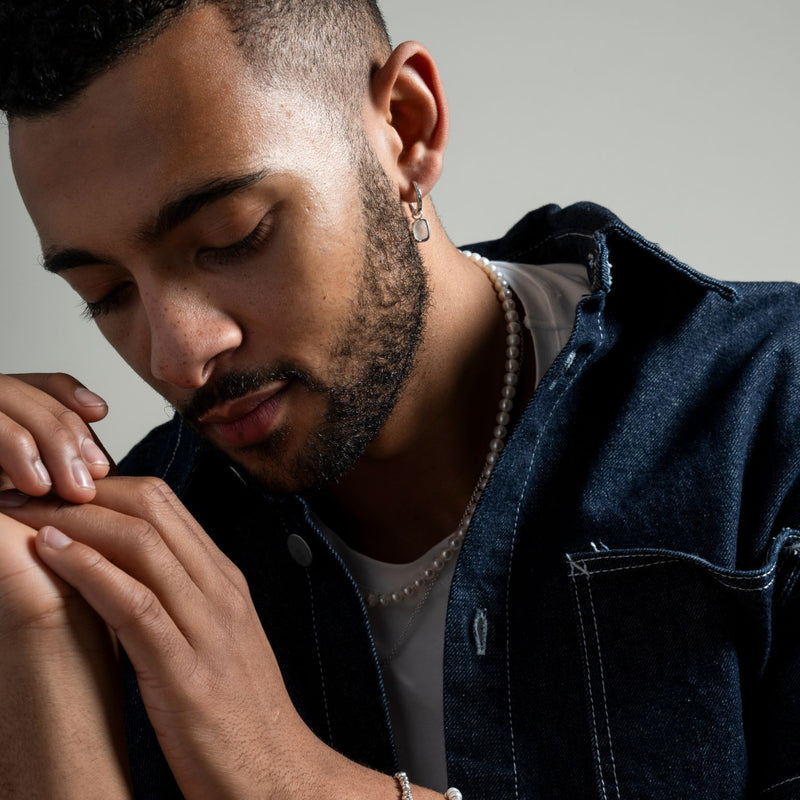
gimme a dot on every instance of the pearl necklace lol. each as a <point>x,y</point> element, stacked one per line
<point>513,364</point>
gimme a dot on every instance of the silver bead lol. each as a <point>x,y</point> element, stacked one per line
<point>500,432</point>
<point>512,365</point>
<point>510,378</point>
<point>512,352</point>
<point>429,573</point>
<point>438,564</point>
<point>455,542</point>
<point>397,597</point>
<point>503,418</point>
<point>511,316</point>
<point>514,327</point>
<point>513,340</point>
<point>409,590</point>
<point>508,391</point>
<point>491,458</point>
<point>447,554</point>
<point>505,405</point>
<point>496,445</point>
<point>383,600</point>
<point>509,305</point>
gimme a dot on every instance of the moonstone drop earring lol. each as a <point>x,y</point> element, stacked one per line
<point>420,229</point>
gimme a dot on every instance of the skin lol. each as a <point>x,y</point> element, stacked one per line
<point>182,115</point>
<point>57,691</point>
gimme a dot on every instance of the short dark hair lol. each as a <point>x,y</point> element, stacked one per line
<point>50,50</point>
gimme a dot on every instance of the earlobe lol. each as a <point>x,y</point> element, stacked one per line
<point>408,94</point>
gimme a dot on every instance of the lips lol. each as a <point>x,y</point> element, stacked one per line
<point>248,420</point>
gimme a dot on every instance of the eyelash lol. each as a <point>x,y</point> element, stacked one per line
<point>99,308</point>
<point>244,247</point>
<point>220,255</point>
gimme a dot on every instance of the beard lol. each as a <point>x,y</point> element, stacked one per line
<point>372,356</point>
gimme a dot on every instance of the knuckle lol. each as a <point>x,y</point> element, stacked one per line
<point>59,435</point>
<point>239,582</point>
<point>142,607</point>
<point>18,439</point>
<point>153,491</point>
<point>68,418</point>
<point>143,533</point>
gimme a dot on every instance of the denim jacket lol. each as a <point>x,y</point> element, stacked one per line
<point>624,619</point>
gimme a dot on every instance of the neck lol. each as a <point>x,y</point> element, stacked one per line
<point>411,488</point>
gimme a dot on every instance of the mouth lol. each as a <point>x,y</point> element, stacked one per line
<point>248,420</point>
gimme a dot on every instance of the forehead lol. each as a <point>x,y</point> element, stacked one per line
<point>185,106</point>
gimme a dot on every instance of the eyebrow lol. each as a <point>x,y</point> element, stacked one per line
<point>171,214</point>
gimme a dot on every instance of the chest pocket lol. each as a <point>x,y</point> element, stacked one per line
<point>674,651</point>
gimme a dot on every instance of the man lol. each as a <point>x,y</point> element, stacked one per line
<point>540,547</point>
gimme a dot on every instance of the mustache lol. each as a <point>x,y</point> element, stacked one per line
<point>234,385</point>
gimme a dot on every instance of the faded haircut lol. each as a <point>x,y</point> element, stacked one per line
<point>50,50</point>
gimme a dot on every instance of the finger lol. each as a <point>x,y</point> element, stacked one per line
<point>87,405</point>
<point>152,499</point>
<point>69,392</point>
<point>143,527</point>
<point>130,543</point>
<point>46,446</point>
<point>133,611</point>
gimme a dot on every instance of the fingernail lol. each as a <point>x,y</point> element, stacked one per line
<point>54,538</point>
<point>42,473</point>
<point>13,499</point>
<point>92,453</point>
<point>81,475</point>
<point>87,398</point>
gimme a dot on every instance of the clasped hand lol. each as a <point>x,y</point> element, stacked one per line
<point>183,613</point>
<point>78,547</point>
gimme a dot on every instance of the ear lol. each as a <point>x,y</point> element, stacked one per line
<point>409,112</point>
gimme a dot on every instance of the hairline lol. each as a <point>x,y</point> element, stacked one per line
<point>264,66</point>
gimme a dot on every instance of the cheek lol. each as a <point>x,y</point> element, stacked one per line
<point>308,287</point>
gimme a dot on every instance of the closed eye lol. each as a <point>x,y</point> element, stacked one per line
<point>243,248</point>
<point>92,309</point>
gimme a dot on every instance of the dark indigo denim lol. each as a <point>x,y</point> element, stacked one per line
<point>624,620</point>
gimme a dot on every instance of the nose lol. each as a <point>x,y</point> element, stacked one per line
<point>188,333</point>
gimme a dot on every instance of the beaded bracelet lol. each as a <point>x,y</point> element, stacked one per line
<point>405,788</point>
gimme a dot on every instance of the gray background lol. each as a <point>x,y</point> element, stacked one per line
<point>682,117</point>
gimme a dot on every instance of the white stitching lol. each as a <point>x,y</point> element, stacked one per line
<point>744,588</point>
<point>716,574</point>
<point>603,684</point>
<point>719,578</point>
<point>625,569</point>
<point>175,450</point>
<point>781,783</point>
<point>588,671</point>
<point>517,514</point>
<point>319,659</point>
<point>590,558</point>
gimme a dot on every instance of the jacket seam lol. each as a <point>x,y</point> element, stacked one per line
<point>779,784</point>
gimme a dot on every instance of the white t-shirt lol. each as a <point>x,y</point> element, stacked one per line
<point>409,636</point>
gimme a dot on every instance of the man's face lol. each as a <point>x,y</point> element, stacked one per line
<point>233,249</point>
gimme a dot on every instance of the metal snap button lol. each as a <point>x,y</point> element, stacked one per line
<point>299,550</point>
